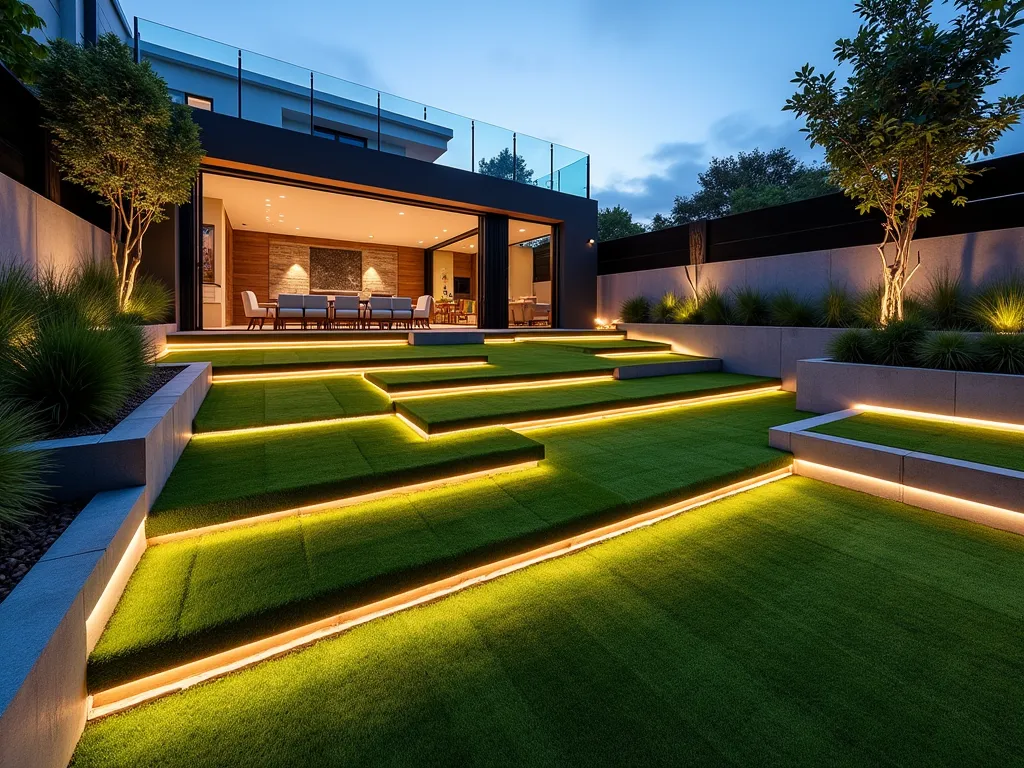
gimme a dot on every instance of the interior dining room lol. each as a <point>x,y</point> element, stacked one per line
<point>263,239</point>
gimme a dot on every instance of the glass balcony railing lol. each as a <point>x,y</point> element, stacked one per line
<point>240,83</point>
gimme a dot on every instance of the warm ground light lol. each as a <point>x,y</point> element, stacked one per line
<point>796,622</point>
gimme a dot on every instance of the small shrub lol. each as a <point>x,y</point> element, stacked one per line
<point>687,311</point>
<point>837,309</point>
<point>664,308</point>
<point>635,310</point>
<point>947,350</point>
<point>852,346</point>
<point>791,311</point>
<point>22,490</point>
<point>944,304</point>
<point>750,307</point>
<point>896,343</point>
<point>714,306</point>
<point>1002,353</point>
<point>1000,307</point>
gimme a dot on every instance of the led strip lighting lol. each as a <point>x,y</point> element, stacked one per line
<point>292,427</point>
<point>323,373</point>
<point>136,692</point>
<point>614,413</point>
<point>348,501</point>
<point>596,337</point>
<point>416,394</point>
<point>962,420</point>
<point>652,353</point>
<point>228,346</point>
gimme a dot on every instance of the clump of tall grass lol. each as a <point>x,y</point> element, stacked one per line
<point>22,489</point>
<point>896,343</point>
<point>1002,353</point>
<point>944,303</point>
<point>664,309</point>
<point>687,311</point>
<point>636,309</point>
<point>750,306</point>
<point>948,351</point>
<point>1000,306</point>
<point>791,311</point>
<point>714,306</point>
<point>851,346</point>
<point>837,308</point>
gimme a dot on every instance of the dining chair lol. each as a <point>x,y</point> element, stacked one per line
<point>421,314</point>
<point>379,311</point>
<point>315,309</point>
<point>289,307</point>
<point>346,309</point>
<point>256,314</point>
<point>401,311</point>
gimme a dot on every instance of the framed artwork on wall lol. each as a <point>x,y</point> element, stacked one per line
<point>209,254</point>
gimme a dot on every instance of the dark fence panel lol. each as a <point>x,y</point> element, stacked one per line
<point>822,223</point>
<point>26,153</point>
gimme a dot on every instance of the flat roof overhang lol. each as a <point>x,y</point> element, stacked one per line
<point>251,148</point>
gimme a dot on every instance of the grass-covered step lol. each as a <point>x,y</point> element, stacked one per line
<point>605,346</point>
<point>796,624</point>
<point>246,404</point>
<point>190,598</point>
<point>995,447</point>
<point>231,477</point>
<point>436,415</point>
<point>273,359</point>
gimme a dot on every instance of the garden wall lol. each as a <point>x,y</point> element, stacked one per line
<point>40,234</point>
<point>755,350</point>
<point>977,257</point>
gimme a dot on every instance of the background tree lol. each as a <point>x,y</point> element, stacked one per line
<point>913,112</point>
<point>750,180</point>
<point>19,51</point>
<point>118,134</point>
<point>500,166</point>
<point>660,222</point>
<point>617,222</point>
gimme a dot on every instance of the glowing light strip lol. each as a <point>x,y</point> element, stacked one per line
<point>500,341</point>
<point>595,337</point>
<point>415,427</point>
<point>416,394</point>
<point>136,692</point>
<point>963,420</point>
<point>214,346</point>
<point>292,427</point>
<point>104,608</point>
<point>933,501</point>
<point>324,373</point>
<point>655,353</point>
<point>348,501</point>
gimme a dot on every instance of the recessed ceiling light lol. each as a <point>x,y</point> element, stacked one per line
<point>421,241</point>
<point>371,237</point>
<point>267,205</point>
<point>472,246</point>
<point>522,230</point>
<point>267,199</point>
<point>435,237</point>
<point>401,213</point>
<point>444,230</point>
<point>281,196</point>
<point>296,227</point>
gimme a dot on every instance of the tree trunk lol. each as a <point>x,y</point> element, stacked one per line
<point>894,275</point>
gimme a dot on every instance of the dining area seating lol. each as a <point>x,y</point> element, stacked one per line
<point>349,309</point>
<point>526,310</point>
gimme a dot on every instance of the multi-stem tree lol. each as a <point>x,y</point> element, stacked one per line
<point>914,112</point>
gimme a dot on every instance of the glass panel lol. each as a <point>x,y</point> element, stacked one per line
<point>533,161</point>
<point>570,174</point>
<point>346,108</point>
<point>493,155</point>
<point>275,92</point>
<point>192,65</point>
<point>460,146</point>
<point>404,130</point>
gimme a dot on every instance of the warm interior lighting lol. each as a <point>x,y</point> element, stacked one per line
<point>234,378</point>
<point>347,501</point>
<point>417,394</point>
<point>296,426</point>
<point>185,676</point>
<point>924,416</point>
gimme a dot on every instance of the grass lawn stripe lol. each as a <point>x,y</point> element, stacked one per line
<point>446,414</point>
<point>248,583</point>
<point>223,478</point>
<point>997,448</point>
<point>760,629</point>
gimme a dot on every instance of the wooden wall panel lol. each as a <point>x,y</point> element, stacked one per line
<point>250,265</point>
<point>250,261</point>
<point>229,302</point>
<point>464,265</point>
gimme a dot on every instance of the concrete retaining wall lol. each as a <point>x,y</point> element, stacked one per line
<point>156,336</point>
<point>39,234</point>
<point>754,350</point>
<point>979,257</point>
<point>141,450</point>
<point>825,386</point>
<point>50,623</point>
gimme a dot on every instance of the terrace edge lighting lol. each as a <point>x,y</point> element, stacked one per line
<point>965,421</point>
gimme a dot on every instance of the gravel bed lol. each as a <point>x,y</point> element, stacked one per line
<point>21,548</point>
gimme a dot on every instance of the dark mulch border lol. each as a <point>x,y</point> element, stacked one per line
<point>161,375</point>
<point>21,548</point>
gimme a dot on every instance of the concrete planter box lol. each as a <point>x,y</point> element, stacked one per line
<point>825,386</point>
<point>141,450</point>
<point>156,335</point>
<point>752,349</point>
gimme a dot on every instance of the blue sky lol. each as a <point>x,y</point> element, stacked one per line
<point>652,89</point>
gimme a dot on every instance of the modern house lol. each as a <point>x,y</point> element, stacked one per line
<point>312,184</point>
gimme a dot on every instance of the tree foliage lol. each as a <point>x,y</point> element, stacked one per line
<point>118,134</point>
<point>501,165</point>
<point>913,113</point>
<point>750,180</point>
<point>658,221</point>
<point>19,51</point>
<point>617,222</point>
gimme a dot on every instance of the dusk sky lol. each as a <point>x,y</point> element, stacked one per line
<point>652,89</point>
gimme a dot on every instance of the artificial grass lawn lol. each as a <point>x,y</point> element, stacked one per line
<point>193,597</point>
<point>998,448</point>
<point>223,478</point>
<point>443,414</point>
<point>233,361</point>
<point>797,624</point>
<point>241,404</point>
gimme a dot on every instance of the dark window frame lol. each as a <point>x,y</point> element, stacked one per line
<point>207,99</point>
<point>341,137</point>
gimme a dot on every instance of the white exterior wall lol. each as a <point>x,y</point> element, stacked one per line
<point>978,257</point>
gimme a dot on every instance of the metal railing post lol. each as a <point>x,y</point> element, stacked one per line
<point>239,82</point>
<point>136,39</point>
<point>310,102</point>
<point>472,146</point>
<point>513,157</point>
<point>588,177</point>
<point>551,176</point>
<point>378,121</point>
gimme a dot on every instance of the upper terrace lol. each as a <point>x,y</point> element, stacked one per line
<point>232,81</point>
